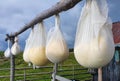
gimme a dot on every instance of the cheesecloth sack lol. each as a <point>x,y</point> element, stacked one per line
<point>94,46</point>
<point>37,54</point>
<point>7,52</point>
<point>56,48</point>
<point>16,47</point>
<point>27,46</point>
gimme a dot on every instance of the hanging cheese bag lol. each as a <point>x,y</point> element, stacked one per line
<point>7,52</point>
<point>56,48</point>
<point>94,45</point>
<point>37,46</point>
<point>27,46</point>
<point>16,47</point>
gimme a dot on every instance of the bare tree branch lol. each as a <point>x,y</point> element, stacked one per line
<point>63,5</point>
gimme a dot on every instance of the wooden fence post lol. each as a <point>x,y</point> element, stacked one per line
<point>12,64</point>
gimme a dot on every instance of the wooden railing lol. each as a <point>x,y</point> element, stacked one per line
<point>71,72</point>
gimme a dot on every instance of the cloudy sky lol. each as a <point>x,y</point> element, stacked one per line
<point>14,14</point>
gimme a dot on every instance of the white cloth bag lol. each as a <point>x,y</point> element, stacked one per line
<point>56,48</point>
<point>27,46</point>
<point>37,48</point>
<point>16,47</point>
<point>7,52</point>
<point>94,45</point>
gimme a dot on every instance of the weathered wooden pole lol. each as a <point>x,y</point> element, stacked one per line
<point>12,64</point>
<point>12,68</point>
<point>12,61</point>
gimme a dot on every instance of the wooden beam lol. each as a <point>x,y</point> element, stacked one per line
<point>63,5</point>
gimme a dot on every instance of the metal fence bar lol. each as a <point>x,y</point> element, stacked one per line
<point>54,72</point>
<point>70,70</point>
<point>61,78</point>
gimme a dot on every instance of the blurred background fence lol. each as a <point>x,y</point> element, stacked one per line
<point>69,69</point>
<point>73,72</point>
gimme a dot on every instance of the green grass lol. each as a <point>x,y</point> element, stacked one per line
<point>19,62</point>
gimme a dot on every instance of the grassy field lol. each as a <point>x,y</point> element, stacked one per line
<point>70,72</point>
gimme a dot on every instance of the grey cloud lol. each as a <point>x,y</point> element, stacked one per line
<point>15,14</point>
<point>114,6</point>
